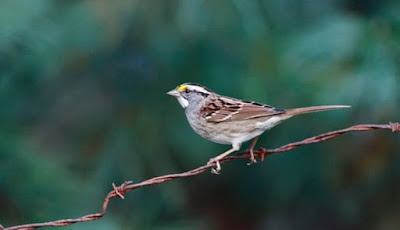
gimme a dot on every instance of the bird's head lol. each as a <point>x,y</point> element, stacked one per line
<point>190,94</point>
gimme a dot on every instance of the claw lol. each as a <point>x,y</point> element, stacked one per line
<point>252,158</point>
<point>252,161</point>
<point>216,170</point>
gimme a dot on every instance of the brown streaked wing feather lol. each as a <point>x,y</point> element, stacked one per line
<point>230,109</point>
<point>250,111</point>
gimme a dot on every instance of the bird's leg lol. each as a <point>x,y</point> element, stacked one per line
<point>235,147</point>
<point>253,143</point>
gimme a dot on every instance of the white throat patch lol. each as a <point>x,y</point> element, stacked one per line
<point>184,103</point>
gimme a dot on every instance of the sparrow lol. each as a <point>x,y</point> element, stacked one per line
<point>231,121</point>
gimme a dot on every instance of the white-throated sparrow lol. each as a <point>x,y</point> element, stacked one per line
<point>227,120</point>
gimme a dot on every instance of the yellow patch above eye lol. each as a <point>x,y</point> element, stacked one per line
<point>181,88</point>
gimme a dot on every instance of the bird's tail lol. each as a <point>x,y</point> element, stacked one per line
<point>312,109</point>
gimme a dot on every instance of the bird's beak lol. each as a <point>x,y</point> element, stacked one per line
<point>174,93</point>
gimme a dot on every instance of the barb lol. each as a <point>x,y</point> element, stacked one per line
<point>260,153</point>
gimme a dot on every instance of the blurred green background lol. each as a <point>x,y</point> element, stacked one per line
<point>83,104</point>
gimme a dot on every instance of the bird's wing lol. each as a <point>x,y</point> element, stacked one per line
<point>230,109</point>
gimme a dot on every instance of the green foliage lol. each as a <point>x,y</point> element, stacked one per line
<point>83,104</point>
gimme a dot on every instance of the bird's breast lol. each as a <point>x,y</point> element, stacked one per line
<point>229,132</point>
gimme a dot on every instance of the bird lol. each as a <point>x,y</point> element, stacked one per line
<point>230,121</point>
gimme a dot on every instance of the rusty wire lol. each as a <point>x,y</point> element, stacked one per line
<point>260,153</point>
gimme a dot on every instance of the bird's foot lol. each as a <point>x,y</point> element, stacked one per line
<point>252,158</point>
<point>252,161</point>
<point>217,169</point>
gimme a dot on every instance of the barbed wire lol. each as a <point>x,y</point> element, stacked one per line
<point>260,153</point>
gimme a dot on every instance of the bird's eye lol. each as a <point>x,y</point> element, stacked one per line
<point>186,91</point>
